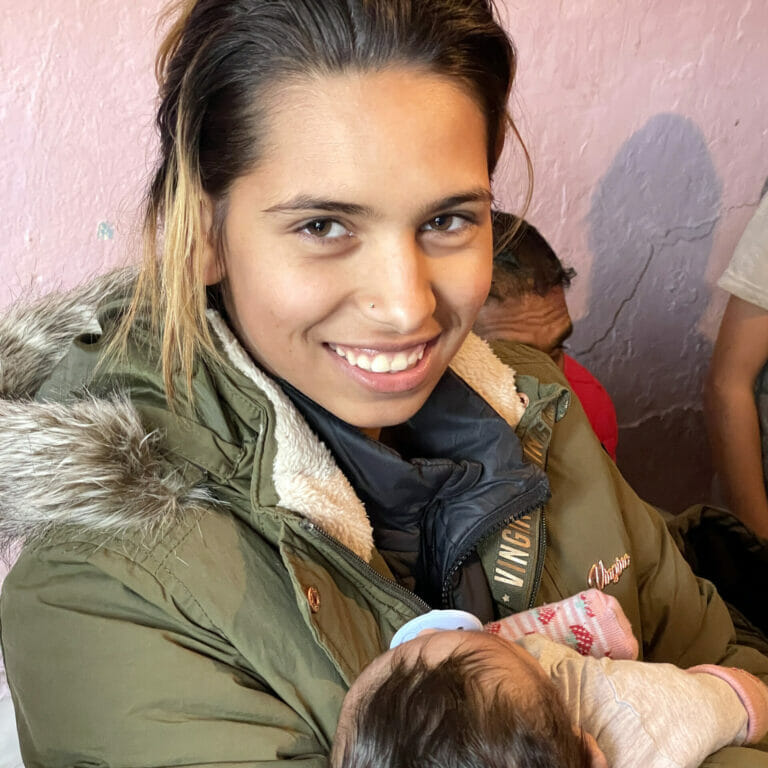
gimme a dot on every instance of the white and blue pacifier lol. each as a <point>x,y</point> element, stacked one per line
<point>437,620</point>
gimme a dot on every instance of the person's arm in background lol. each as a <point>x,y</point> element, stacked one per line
<point>740,352</point>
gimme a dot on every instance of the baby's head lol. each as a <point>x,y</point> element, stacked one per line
<point>457,699</point>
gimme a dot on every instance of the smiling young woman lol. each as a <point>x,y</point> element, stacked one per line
<point>237,474</point>
<point>344,213</point>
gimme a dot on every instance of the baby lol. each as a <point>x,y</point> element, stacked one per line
<point>516,695</point>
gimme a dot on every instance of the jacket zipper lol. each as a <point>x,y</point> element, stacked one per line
<point>413,601</point>
<point>516,515</point>
<point>540,562</point>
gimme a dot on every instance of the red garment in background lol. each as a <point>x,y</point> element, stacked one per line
<point>596,401</point>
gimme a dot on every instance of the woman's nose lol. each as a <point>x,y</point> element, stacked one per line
<point>399,291</point>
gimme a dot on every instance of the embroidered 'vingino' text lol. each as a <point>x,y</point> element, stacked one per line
<point>514,552</point>
<point>600,576</point>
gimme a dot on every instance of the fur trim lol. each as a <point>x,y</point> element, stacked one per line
<point>306,477</point>
<point>34,335</point>
<point>89,463</point>
<point>490,378</point>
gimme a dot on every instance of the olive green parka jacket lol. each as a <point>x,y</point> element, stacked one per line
<point>200,587</point>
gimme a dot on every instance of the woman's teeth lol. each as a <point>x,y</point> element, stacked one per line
<point>381,362</point>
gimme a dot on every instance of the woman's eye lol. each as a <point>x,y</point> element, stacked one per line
<point>446,223</point>
<point>325,229</point>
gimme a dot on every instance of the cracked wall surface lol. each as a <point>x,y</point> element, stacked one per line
<point>651,224</point>
<point>647,130</point>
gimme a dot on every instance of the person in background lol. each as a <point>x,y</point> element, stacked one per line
<point>736,388</point>
<point>527,304</point>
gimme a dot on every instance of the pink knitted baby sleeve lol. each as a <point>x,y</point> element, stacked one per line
<point>591,622</point>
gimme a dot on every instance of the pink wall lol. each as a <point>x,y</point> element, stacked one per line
<point>76,112</point>
<point>646,122</point>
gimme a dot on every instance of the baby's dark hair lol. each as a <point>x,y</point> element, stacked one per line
<point>523,260</point>
<point>443,716</point>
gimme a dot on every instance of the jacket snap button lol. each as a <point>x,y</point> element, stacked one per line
<point>313,598</point>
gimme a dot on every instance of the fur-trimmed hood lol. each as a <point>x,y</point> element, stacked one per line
<point>91,461</point>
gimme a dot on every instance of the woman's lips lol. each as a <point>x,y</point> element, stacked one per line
<point>380,362</point>
<point>385,371</point>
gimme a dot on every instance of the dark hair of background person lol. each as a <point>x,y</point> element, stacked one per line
<point>523,261</point>
<point>443,715</point>
<point>220,70</point>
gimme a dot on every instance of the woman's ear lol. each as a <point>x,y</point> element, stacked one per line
<point>598,758</point>
<point>213,264</point>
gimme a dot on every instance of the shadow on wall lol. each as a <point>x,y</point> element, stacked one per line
<point>651,226</point>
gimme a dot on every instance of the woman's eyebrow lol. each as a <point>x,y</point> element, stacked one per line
<point>477,195</point>
<point>309,203</point>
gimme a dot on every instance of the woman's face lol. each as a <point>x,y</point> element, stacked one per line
<point>359,251</point>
